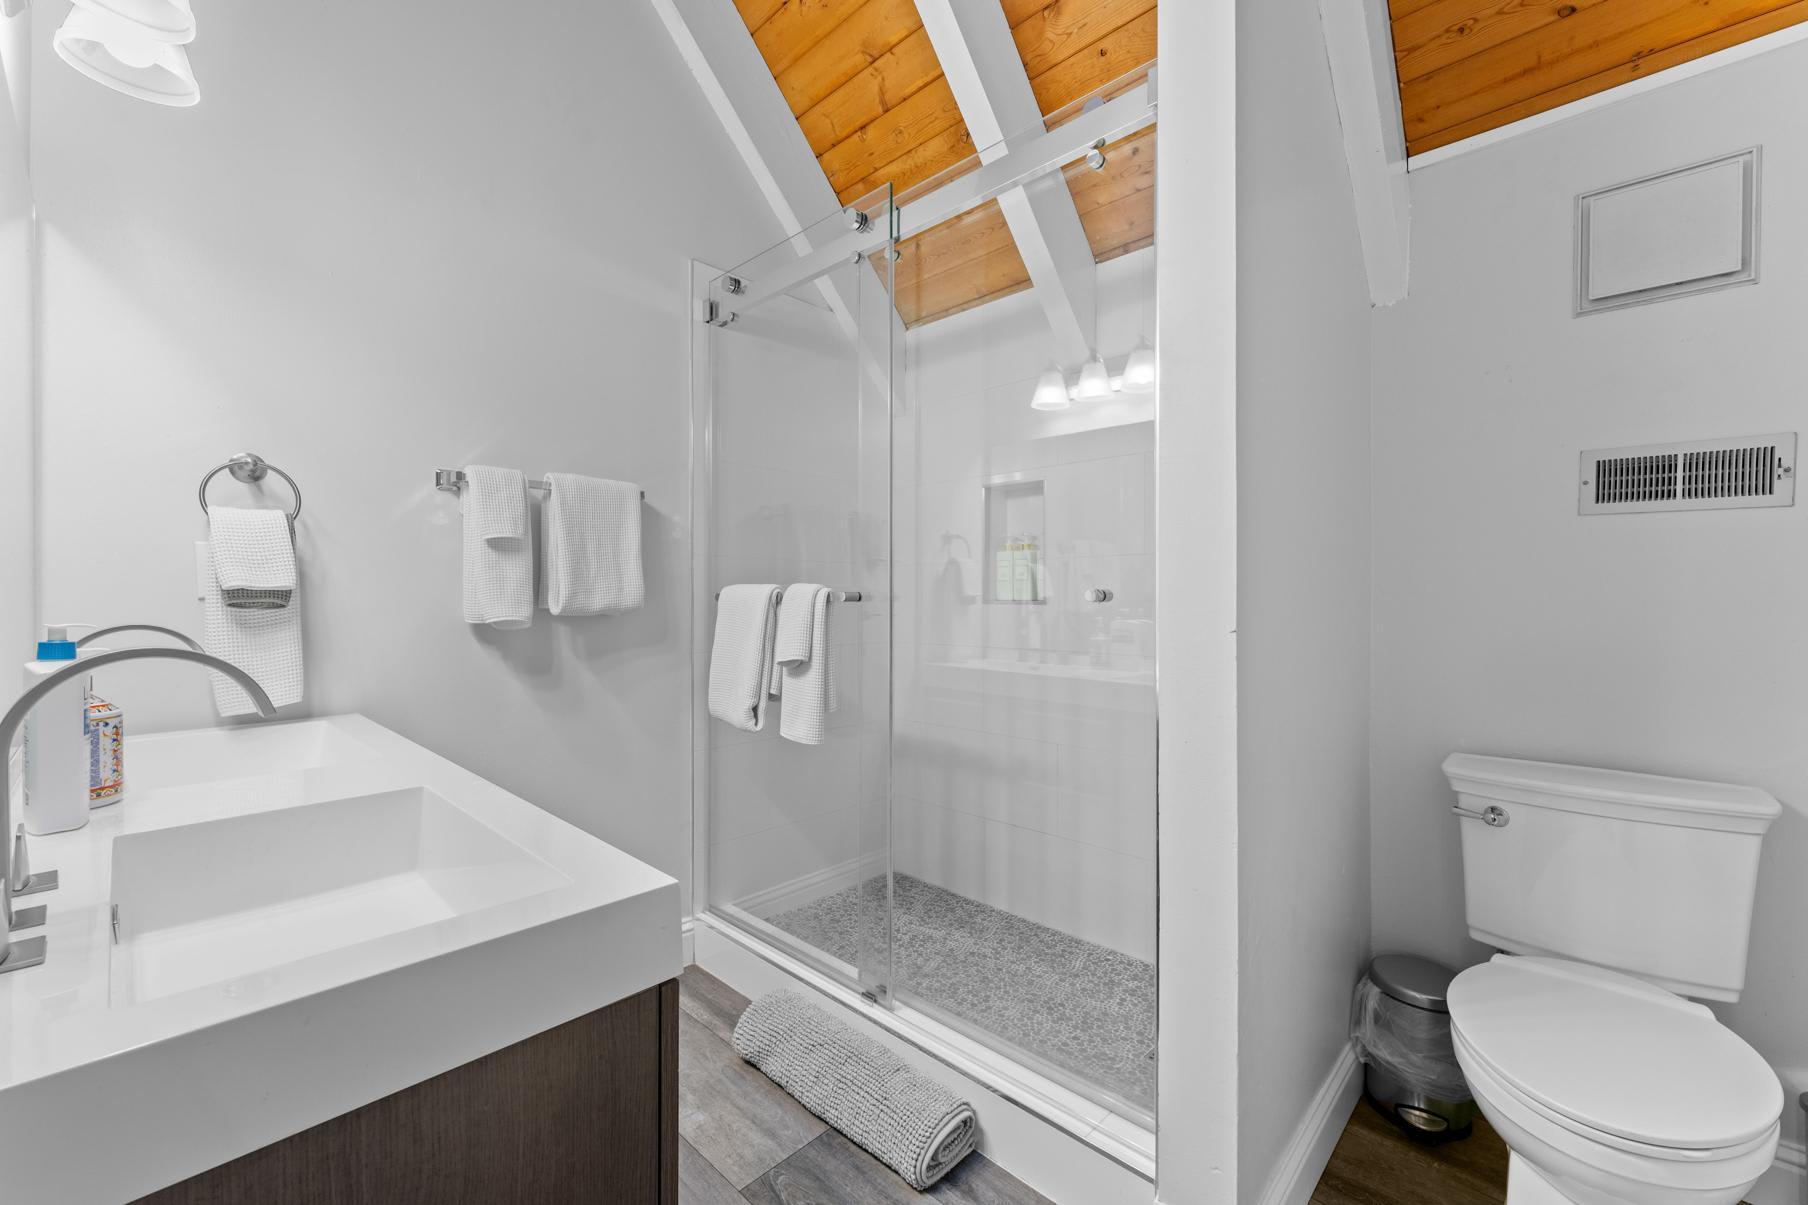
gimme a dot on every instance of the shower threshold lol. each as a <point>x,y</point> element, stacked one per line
<point>1111,1128</point>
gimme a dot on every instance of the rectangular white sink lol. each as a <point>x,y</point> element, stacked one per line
<point>202,903</point>
<point>174,759</point>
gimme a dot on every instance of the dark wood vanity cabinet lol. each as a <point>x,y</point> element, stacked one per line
<point>585,1112</point>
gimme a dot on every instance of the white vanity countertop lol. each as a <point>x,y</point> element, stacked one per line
<point>109,1091</point>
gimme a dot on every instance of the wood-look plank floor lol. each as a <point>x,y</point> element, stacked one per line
<point>746,1142</point>
<point>1376,1164</point>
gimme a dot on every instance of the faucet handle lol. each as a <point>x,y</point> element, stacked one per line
<point>22,881</point>
<point>21,866</point>
<point>15,953</point>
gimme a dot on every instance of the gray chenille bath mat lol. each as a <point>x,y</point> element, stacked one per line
<point>908,1122</point>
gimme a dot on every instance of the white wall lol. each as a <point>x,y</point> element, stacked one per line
<point>18,523</point>
<point>1196,542</point>
<point>1302,579</point>
<point>392,237</point>
<point>1505,623</point>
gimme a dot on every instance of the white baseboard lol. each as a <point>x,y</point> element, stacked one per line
<point>1309,1150</point>
<point>809,888</point>
<point>1783,1183</point>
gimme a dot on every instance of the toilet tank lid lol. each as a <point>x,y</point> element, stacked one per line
<point>1622,787</point>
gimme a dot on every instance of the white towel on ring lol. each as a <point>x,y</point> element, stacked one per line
<point>805,657</point>
<point>265,644</point>
<point>740,659</point>
<point>498,571</point>
<point>590,540</point>
<point>253,557</point>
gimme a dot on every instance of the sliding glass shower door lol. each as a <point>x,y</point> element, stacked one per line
<point>801,374</point>
<point>949,409</point>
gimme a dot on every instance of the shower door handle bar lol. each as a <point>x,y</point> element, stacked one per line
<point>839,596</point>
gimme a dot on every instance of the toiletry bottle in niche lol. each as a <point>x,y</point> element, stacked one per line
<point>56,742</point>
<point>1022,570</point>
<point>105,724</point>
<point>1001,578</point>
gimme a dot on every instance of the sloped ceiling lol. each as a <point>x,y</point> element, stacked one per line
<point>869,95</point>
<point>1469,66</point>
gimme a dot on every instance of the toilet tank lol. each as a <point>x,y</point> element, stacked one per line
<point>1647,875</point>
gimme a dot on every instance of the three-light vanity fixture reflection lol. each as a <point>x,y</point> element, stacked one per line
<point>131,46</point>
<point>1095,382</point>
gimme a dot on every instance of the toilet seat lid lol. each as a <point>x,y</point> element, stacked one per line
<point>1614,1053</point>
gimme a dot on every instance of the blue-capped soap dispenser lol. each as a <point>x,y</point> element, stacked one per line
<point>56,741</point>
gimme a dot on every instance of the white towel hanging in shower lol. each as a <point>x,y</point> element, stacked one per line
<point>740,661</point>
<point>806,657</point>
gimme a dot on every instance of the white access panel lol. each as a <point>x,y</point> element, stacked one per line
<point>1685,231</point>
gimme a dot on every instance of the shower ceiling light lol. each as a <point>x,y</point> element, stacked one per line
<point>140,60</point>
<point>1139,369</point>
<point>1051,391</point>
<point>1095,381</point>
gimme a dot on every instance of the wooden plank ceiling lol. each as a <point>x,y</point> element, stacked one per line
<point>871,100</point>
<point>1468,66</point>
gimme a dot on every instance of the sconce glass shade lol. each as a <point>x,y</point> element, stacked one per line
<point>1051,391</point>
<point>158,20</point>
<point>1139,369</point>
<point>1095,381</point>
<point>120,55</point>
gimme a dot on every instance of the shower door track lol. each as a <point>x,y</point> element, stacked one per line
<point>1027,158</point>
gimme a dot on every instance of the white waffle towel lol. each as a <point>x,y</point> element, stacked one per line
<point>498,555</point>
<point>740,661</point>
<point>590,539</point>
<point>253,557</point>
<point>265,644</point>
<point>805,658</point>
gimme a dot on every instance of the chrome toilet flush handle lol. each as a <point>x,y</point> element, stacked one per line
<point>1493,817</point>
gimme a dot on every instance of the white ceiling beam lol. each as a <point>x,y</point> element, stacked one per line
<point>721,54</point>
<point>979,57</point>
<point>1360,47</point>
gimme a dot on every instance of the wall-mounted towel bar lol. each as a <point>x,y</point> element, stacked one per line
<point>250,468</point>
<point>840,596</point>
<point>453,480</point>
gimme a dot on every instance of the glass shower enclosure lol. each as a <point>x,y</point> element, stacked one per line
<point>894,405</point>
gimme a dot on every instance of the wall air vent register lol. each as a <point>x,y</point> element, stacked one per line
<point>1708,474</point>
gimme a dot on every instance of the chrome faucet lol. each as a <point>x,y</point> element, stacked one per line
<point>91,637</point>
<point>11,957</point>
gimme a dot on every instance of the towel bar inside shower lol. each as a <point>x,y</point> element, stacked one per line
<point>840,596</point>
<point>453,480</point>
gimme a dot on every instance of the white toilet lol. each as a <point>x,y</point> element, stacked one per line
<point>1617,895</point>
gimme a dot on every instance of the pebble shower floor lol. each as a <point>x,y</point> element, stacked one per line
<point>1082,1007</point>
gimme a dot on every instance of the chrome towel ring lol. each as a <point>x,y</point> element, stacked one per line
<point>251,468</point>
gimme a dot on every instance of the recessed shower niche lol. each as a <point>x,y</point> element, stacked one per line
<point>1015,570</point>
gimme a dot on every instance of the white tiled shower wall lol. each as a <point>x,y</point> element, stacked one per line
<point>1024,759</point>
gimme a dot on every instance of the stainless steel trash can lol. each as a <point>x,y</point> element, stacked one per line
<point>1400,1023</point>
